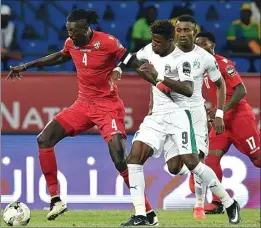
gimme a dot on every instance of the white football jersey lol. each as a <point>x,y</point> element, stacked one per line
<point>202,63</point>
<point>175,66</point>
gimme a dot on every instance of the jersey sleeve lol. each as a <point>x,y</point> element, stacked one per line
<point>230,74</point>
<point>185,70</point>
<point>212,68</point>
<point>115,47</point>
<point>144,53</point>
<point>66,48</point>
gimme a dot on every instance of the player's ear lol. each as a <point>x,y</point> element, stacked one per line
<point>171,40</point>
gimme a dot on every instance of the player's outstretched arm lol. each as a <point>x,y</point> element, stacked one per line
<point>131,61</point>
<point>50,60</point>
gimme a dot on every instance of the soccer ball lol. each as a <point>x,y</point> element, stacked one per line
<point>16,214</point>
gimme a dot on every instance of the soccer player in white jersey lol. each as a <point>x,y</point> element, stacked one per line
<point>202,63</point>
<point>170,121</point>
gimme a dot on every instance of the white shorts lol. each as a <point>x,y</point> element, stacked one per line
<point>200,124</point>
<point>175,128</point>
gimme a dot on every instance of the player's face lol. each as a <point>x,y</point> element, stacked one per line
<point>77,32</point>
<point>185,32</point>
<point>160,44</point>
<point>205,43</point>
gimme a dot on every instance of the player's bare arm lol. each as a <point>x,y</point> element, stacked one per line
<point>240,93</point>
<point>182,87</point>
<point>132,62</point>
<point>221,97</point>
<point>49,60</point>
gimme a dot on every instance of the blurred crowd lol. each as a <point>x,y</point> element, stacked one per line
<point>242,35</point>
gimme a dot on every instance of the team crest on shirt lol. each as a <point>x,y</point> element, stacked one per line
<point>231,71</point>
<point>97,44</point>
<point>196,64</point>
<point>167,69</point>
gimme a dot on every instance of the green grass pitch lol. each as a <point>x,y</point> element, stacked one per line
<point>112,218</point>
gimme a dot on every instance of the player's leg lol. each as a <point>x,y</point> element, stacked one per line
<point>67,123</point>
<point>246,137</point>
<point>218,146</point>
<point>146,142</point>
<point>200,125</point>
<point>188,152</point>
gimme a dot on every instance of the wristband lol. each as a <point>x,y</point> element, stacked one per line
<point>219,113</point>
<point>117,69</point>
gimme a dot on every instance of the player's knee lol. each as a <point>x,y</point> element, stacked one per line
<point>44,141</point>
<point>175,166</point>
<point>140,152</point>
<point>117,152</point>
<point>190,160</point>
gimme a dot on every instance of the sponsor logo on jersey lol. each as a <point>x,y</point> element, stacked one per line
<point>167,69</point>
<point>231,70</point>
<point>85,50</point>
<point>97,44</point>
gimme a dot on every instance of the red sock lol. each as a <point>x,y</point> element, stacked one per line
<point>125,176</point>
<point>49,168</point>
<point>214,163</point>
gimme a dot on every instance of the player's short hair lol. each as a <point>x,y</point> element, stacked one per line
<point>164,28</point>
<point>90,16</point>
<point>187,18</point>
<point>208,35</point>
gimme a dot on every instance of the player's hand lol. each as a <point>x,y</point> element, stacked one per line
<point>15,72</point>
<point>219,125</point>
<point>149,68</point>
<point>211,113</point>
<point>116,74</point>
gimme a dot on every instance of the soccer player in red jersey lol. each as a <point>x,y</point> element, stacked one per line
<point>241,128</point>
<point>94,55</point>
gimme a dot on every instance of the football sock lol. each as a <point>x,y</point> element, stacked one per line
<point>49,168</point>
<point>137,188</point>
<point>210,179</point>
<point>214,163</point>
<point>125,176</point>
<point>200,191</point>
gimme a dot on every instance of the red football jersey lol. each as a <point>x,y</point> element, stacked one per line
<point>94,62</point>
<point>232,79</point>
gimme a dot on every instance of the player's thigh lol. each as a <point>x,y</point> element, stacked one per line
<point>246,136</point>
<point>74,119</point>
<point>151,132</point>
<point>183,133</point>
<point>219,142</point>
<point>109,118</point>
<point>172,157</point>
<point>200,125</point>
<point>184,137</point>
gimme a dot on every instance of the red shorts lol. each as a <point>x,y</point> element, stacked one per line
<point>242,131</point>
<point>108,115</point>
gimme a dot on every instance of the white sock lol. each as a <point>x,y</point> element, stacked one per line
<point>210,179</point>
<point>184,170</point>
<point>137,188</point>
<point>200,191</point>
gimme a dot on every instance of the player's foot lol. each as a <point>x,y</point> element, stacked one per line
<point>153,219</point>
<point>191,183</point>
<point>233,213</point>
<point>57,207</point>
<point>137,220</point>
<point>199,213</point>
<point>214,208</point>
